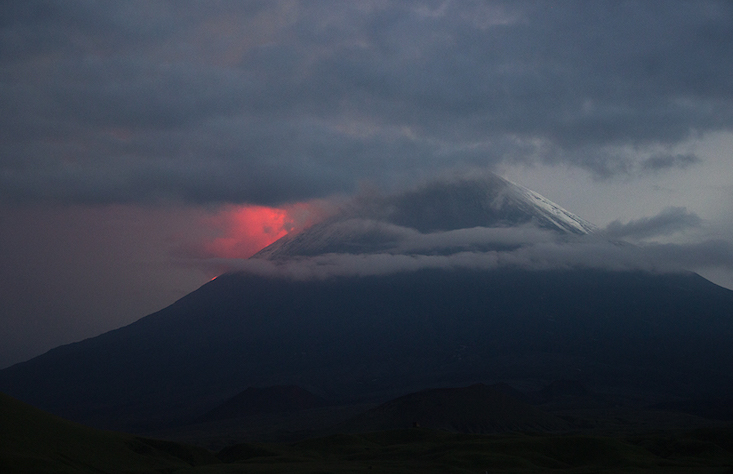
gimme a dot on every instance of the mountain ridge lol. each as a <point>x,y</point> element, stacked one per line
<point>375,336</point>
<point>349,338</point>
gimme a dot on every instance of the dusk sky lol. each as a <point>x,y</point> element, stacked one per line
<point>144,144</point>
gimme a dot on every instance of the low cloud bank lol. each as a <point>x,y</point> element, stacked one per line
<point>581,253</point>
<point>363,240</point>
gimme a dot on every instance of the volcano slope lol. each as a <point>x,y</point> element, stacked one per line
<point>348,311</point>
<point>380,336</point>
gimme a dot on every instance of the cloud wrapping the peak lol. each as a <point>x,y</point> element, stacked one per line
<point>375,234</point>
<point>272,102</point>
<point>580,253</point>
<point>669,221</point>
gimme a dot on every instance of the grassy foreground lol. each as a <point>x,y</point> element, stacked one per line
<point>426,451</point>
<point>34,441</point>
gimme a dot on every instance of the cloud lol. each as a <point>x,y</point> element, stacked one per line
<point>669,221</point>
<point>274,102</point>
<point>369,234</point>
<point>706,254</point>
<point>582,253</point>
<point>366,236</point>
<point>666,160</point>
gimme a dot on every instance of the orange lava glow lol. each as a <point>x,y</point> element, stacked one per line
<point>244,230</point>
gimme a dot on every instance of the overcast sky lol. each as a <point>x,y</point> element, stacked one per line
<point>140,140</point>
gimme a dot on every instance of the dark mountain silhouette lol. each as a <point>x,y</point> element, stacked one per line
<point>34,441</point>
<point>478,408</point>
<point>563,388</point>
<point>383,334</point>
<point>255,401</point>
<point>712,408</point>
<point>564,393</point>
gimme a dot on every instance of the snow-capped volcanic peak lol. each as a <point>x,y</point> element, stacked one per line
<point>562,218</point>
<point>398,223</point>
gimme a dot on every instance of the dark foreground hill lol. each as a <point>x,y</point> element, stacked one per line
<point>478,408</point>
<point>255,401</point>
<point>32,441</point>
<point>378,337</point>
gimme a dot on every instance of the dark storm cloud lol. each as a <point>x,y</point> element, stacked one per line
<point>669,221</point>
<point>268,102</point>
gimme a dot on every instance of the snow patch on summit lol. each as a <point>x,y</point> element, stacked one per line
<point>559,216</point>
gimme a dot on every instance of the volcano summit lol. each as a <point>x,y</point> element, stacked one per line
<point>455,282</point>
<point>387,224</point>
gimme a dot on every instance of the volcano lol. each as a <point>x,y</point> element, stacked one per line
<point>383,224</point>
<point>453,283</point>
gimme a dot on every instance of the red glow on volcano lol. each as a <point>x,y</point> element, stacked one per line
<point>244,230</point>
